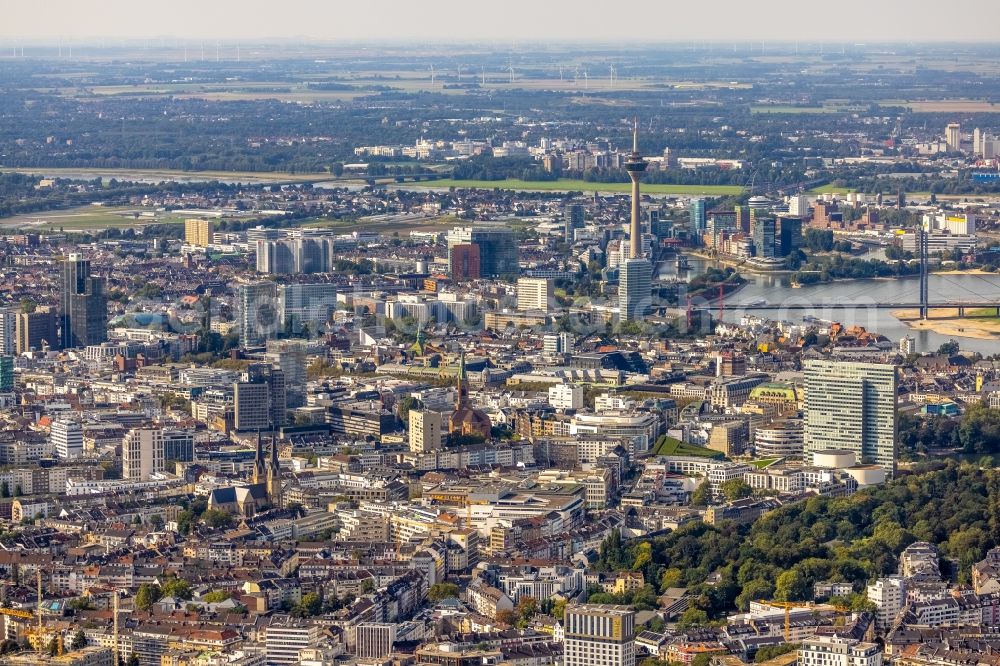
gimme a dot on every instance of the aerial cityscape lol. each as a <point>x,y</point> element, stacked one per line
<point>381,337</point>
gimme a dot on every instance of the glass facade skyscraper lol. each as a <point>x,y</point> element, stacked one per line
<point>852,406</point>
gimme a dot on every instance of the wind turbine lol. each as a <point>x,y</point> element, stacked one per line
<point>459,73</point>
<point>482,71</point>
<point>586,80</point>
<point>510,69</point>
<point>560,74</point>
<point>612,68</point>
<point>432,74</point>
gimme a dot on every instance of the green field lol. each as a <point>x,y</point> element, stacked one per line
<point>85,218</point>
<point>830,189</point>
<point>87,173</point>
<point>384,227</point>
<point>777,108</point>
<point>565,184</point>
<point>764,462</point>
<point>668,446</point>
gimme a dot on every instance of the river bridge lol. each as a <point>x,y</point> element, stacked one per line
<point>924,308</point>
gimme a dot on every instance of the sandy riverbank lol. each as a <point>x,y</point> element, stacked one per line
<point>948,323</point>
<point>970,271</point>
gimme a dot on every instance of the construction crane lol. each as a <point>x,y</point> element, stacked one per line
<point>789,605</point>
<point>20,614</point>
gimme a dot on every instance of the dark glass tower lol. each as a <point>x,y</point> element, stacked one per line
<point>84,313</point>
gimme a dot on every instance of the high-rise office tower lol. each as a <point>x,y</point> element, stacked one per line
<point>258,312</point>
<point>498,253</point>
<point>8,331</point>
<point>374,640</point>
<point>743,218</point>
<point>575,218</point>
<point>634,289</point>
<point>636,273</point>
<point>66,438</point>
<point>84,314</point>
<point>275,257</point>
<point>953,137</point>
<point>306,308</point>
<point>599,635</point>
<point>763,237</point>
<point>198,232</point>
<point>290,356</point>
<point>6,373</point>
<point>463,262</point>
<point>259,400</point>
<point>788,235</point>
<point>698,220</point>
<point>35,330</point>
<point>533,293</point>
<point>852,406</point>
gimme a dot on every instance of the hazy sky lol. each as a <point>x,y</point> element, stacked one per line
<point>504,20</point>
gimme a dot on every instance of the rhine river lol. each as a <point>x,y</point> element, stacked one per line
<point>844,302</point>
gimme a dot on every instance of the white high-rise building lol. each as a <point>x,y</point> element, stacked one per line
<point>426,432</point>
<point>67,439</point>
<point>533,293</point>
<point>566,396</point>
<point>285,637</point>
<point>558,343</point>
<point>907,345</point>
<point>888,594</point>
<point>142,453</point>
<point>852,406</point>
<point>798,205</point>
<point>838,651</point>
<point>374,640</point>
<point>599,635</point>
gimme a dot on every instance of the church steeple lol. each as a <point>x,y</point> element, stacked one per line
<point>460,400</point>
<point>259,466</point>
<point>274,475</point>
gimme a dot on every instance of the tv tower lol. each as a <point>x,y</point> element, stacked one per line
<point>635,166</point>
<point>635,273</point>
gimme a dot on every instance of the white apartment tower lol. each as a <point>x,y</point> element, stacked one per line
<point>566,396</point>
<point>533,293</point>
<point>425,430</point>
<point>67,439</point>
<point>888,594</point>
<point>142,453</point>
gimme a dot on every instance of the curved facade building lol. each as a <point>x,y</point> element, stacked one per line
<point>780,439</point>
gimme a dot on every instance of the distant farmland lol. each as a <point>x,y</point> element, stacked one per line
<point>568,185</point>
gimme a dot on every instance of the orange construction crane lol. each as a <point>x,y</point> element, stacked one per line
<point>13,612</point>
<point>789,605</point>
